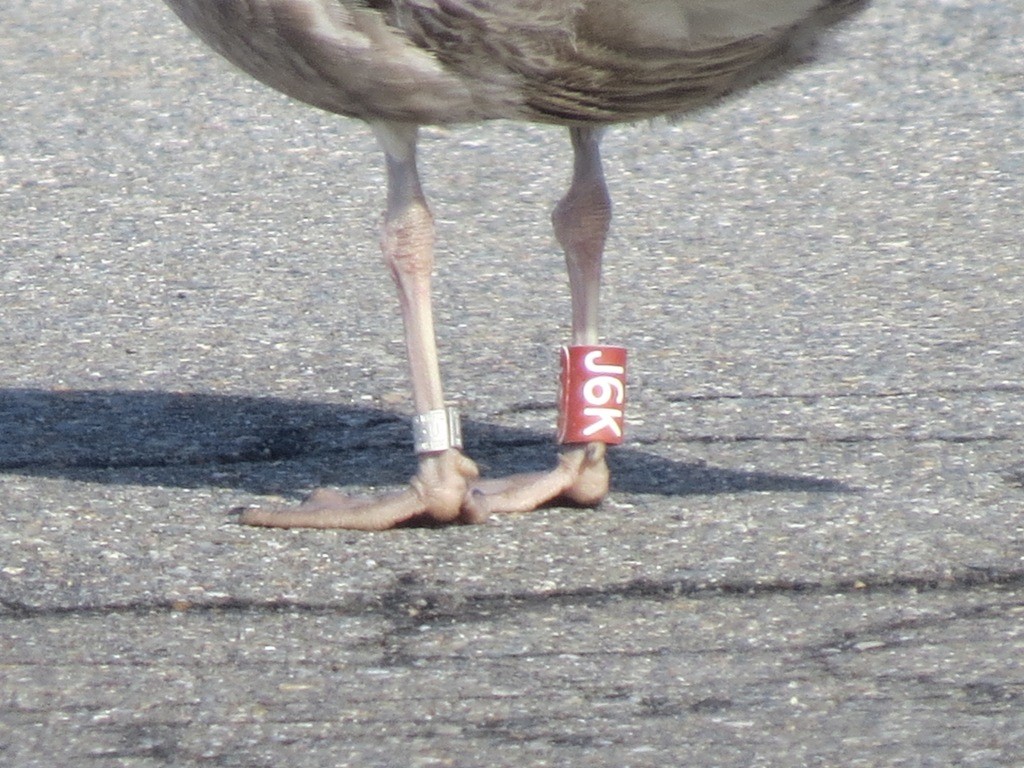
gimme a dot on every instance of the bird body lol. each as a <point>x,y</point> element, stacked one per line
<point>570,62</point>
<point>584,64</point>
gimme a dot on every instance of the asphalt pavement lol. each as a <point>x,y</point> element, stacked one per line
<point>813,552</point>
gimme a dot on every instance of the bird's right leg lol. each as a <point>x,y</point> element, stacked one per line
<point>581,221</point>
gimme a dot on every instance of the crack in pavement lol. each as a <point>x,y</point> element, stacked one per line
<point>410,599</point>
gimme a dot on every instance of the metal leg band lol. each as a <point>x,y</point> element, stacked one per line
<point>437,430</point>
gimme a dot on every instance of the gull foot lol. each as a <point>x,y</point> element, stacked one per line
<point>447,490</point>
<point>434,494</point>
<point>580,477</point>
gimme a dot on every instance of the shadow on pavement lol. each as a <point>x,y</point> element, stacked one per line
<point>183,439</point>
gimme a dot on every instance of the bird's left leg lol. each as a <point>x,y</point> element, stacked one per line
<point>442,480</point>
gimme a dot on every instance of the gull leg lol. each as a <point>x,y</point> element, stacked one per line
<point>446,487</point>
<point>581,220</point>
<point>442,480</point>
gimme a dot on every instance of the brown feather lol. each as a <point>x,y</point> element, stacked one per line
<point>569,62</point>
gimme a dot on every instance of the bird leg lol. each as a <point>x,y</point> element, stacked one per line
<point>581,220</point>
<point>442,480</point>
<point>446,487</point>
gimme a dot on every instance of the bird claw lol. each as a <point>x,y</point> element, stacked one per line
<point>446,490</point>
<point>580,477</point>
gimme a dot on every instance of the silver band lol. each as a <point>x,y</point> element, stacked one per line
<point>437,430</point>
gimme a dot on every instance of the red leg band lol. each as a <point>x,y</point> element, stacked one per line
<point>593,396</point>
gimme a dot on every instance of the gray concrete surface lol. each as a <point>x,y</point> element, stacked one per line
<point>813,554</point>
